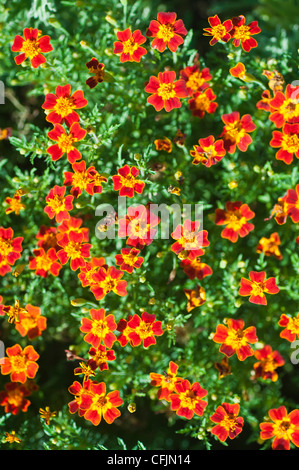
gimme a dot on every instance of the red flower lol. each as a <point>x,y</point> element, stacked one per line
<point>196,79</point>
<point>129,45</point>
<point>58,206</point>
<point>235,216</point>
<point>80,392</point>
<point>106,280</point>
<point>292,204</point>
<point>167,31</point>
<point>256,285</point>
<point>242,34</point>
<point>219,31</point>
<point>138,225</point>
<point>166,381</point>
<point>84,179</point>
<point>196,297</point>
<point>73,248</point>
<point>187,399</point>
<point>234,339</point>
<point>98,357</point>
<point>45,262</point>
<point>189,240</point>
<point>264,102</point>
<point>13,398</point>
<point>268,361</point>
<point>72,224</point>
<point>66,142</point>
<point>202,102</point>
<point>96,404</point>
<point>284,428</point>
<point>14,204</point>
<point>165,91</point>
<point>163,144</point>
<point>208,152</point>
<point>144,329</point>
<point>235,131</point>
<point>31,322</point>
<point>291,327</point>
<point>32,45</point>
<point>99,328</point>
<point>20,363</point>
<point>238,71</point>
<point>229,424</point>
<point>89,269</point>
<point>129,259</point>
<point>60,106</point>
<point>288,141</point>
<point>195,268</point>
<point>96,68</point>
<point>10,249</point>
<point>284,107</point>
<point>126,182</point>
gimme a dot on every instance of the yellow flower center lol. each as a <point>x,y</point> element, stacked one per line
<point>31,48</point>
<point>128,181</point>
<point>166,91</point>
<point>234,131</point>
<point>293,325</point>
<point>291,143</point>
<point>144,330</point>
<point>284,429</point>
<point>64,106</point>
<point>257,288</point>
<point>202,102</point>
<point>235,220</point>
<point>5,247</point>
<point>129,46</point>
<point>99,328</point>
<point>65,142</point>
<point>218,31</point>
<point>242,32</point>
<point>236,339</point>
<point>195,81</point>
<point>80,180</point>
<point>166,32</point>
<point>229,422</point>
<point>57,203</point>
<point>18,362</point>
<point>73,250</point>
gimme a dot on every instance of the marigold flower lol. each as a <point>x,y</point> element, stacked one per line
<point>85,369</point>
<point>99,328</point>
<point>166,381</point>
<point>58,205</point>
<point>275,80</point>
<point>31,322</point>
<point>128,259</point>
<point>13,311</point>
<point>235,131</point>
<point>10,249</point>
<point>46,414</point>
<point>165,91</point>
<point>97,69</point>
<point>187,399</point>
<point>268,361</point>
<point>284,107</point>
<point>196,79</point>
<point>72,224</point>
<point>46,237</point>
<point>20,363</point>
<point>235,216</point>
<point>100,405</point>
<point>219,31</point>
<point>89,269</point>
<point>84,179</point>
<point>73,248</point>
<point>60,106</point>
<point>66,142</point>
<point>256,285</point>
<point>190,240</point>
<point>291,327</point>
<point>163,144</point>
<point>202,102</point>
<point>195,268</point>
<point>229,424</point>
<point>13,398</point>
<point>280,211</point>
<point>266,97</point>
<point>223,367</point>
<point>196,297</point>
<point>79,391</point>
<point>292,204</point>
<point>125,330</point>
<point>287,141</point>
<point>32,45</point>
<point>284,428</point>
<point>144,329</point>
<point>167,31</point>
<point>138,225</point>
<point>12,437</point>
<point>234,339</point>
<point>270,246</point>
<point>45,262</point>
<point>128,45</point>
<point>126,182</point>
<point>238,71</point>
<point>208,152</point>
<point>108,279</point>
<point>99,357</point>
<point>242,34</point>
<point>14,204</point>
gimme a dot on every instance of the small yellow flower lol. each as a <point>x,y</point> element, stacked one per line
<point>47,415</point>
<point>11,437</point>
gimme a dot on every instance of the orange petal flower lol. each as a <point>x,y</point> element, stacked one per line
<point>256,285</point>
<point>14,204</point>
<point>166,91</point>
<point>291,327</point>
<point>268,361</point>
<point>58,205</point>
<point>167,31</point>
<point>60,106</point>
<point>196,297</point>
<point>166,381</point>
<point>287,141</point>
<point>270,246</point>
<point>72,224</point>
<point>242,34</point>
<point>20,363</point>
<point>195,268</point>
<point>285,106</point>
<point>32,45</point>
<point>236,130</point>
<point>108,279</point>
<point>219,31</point>
<point>99,328</point>
<point>284,428</point>
<point>138,226</point>
<point>234,339</point>
<point>190,240</point>
<point>10,249</point>
<point>208,152</point>
<point>45,262</point>
<point>97,69</point>
<point>89,269</point>
<point>128,259</point>
<point>31,322</point>
<point>196,79</point>
<point>126,182</point>
<point>13,398</point>
<point>144,329</point>
<point>128,45</point>
<point>100,405</point>
<point>163,144</point>
<point>99,357</point>
<point>73,249</point>
<point>235,216</point>
<point>66,142</point>
<point>238,71</point>
<point>229,424</point>
<point>202,102</point>
<point>292,204</point>
<point>187,399</point>
<point>81,179</point>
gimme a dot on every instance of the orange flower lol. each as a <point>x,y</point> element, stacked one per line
<point>126,182</point>
<point>187,399</point>
<point>89,269</point>
<point>291,327</point>
<point>96,68</point>
<point>72,224</point>
<point>287,141</point>
<point>144,329</point>
<point>284,428</point>
<point>196,79</point>
<point>202,102</point>
<point>270,246</point>
<point>238,71</point>
<point>256,285</point>
<point>208,152</point>
<point>20,363</point>
<point>285,106</point>
<point>195,268</point>
<point>84,179</point>
<point>196,297</point>
<point>163,144</point>
<point>13,398</point>
<point>31,322</point>
<point>167,31</point>
<point>60,106</point>
<point>229,424</point>
<point>10,249</point>
<point>189,240</point>
<point>79,391</point>
<point>234,339</point>
<point>166,91</point>
<point>12,311</point>
<point>166,381</point>
<point>128,259</point>
<point>14,204</point>
<point>219,31</point>
<point>235,131</point>
<point>235,216</point>
<point>97,404</point>
<point>73,248</point>
<point>58,206</point>
<point>128,45</point>
<point>66,142</point>
<point>99,328</point>
<point>108,279</point>
<point>47,415</point>
<point>138,225</point>
<point>242,34</point>
<point>32,45</point>
<point>98,357</point>
<point>268,361</point>
<point>45,262</point>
